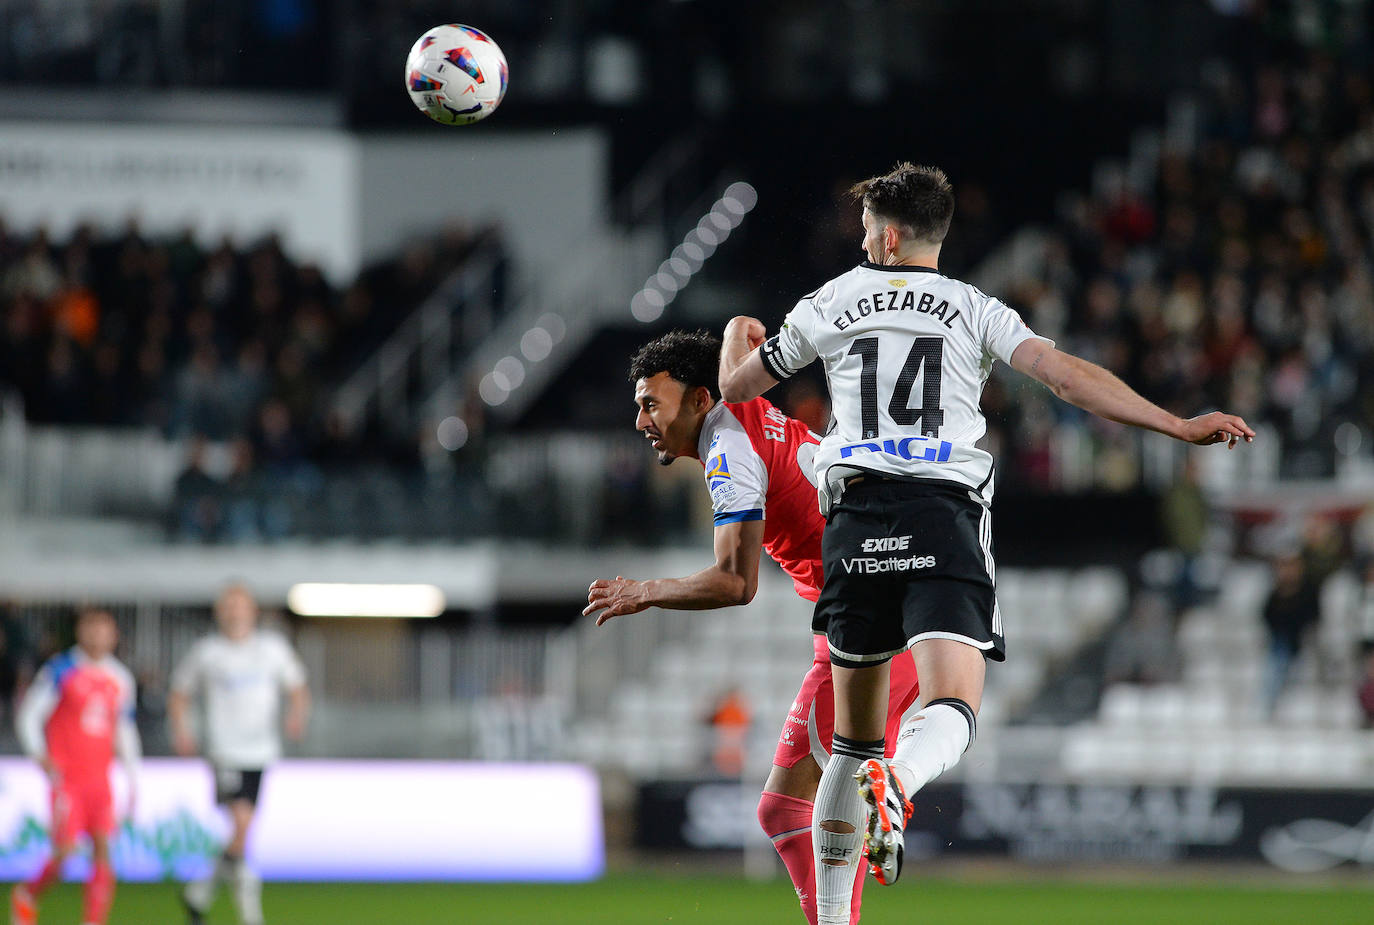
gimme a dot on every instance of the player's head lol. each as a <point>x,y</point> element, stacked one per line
<point>676,379</point>
<point>236,611</point>
<point>907,209</point>
<point>96,631</point>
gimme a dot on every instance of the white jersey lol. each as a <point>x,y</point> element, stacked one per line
<point>242,683</point>
<point>906,353</point>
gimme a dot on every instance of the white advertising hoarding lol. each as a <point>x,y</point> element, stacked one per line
<point>240,182</point>
<point>337,820</point>
<point>336,199</point>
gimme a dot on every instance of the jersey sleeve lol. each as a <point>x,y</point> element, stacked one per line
<point>794,346</point>
<point>128,745</point>
<point>736,477</point>
<point>290,671</point>
<point>1002,330</point>
<point>190,671</point>
<point>39,701</point>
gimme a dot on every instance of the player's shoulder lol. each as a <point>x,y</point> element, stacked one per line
<point>60,665</point>
<point>274,640</point>
<point>832,288</point>
<point>763,421</point>
<point>120,671</point>
<point>204,646</point>
<point>976,296</point>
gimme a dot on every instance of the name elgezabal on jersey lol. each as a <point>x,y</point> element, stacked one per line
<point>894,300</point>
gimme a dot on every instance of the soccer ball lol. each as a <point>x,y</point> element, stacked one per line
<point>456,74</point>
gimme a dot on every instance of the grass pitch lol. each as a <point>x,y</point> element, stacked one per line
<point>653,898</point>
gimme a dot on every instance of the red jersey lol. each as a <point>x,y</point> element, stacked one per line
<point>758,467</point>
<point>74,710</point>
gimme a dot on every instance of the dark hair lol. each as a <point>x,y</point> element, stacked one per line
<point>90,612</point>
<point>689,357</point>
<point>920,198</point>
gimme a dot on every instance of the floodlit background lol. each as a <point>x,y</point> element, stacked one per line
<point>260,319</point>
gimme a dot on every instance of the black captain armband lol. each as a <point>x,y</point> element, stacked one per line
<point>771,354</point>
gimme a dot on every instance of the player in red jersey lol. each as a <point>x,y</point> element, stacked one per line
<point>757,464</point>
<point>74,718</point>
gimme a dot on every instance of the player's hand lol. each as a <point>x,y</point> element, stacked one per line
<point>1217,427</point>
<point>184,743</point>
<point>295,725</point>
<point>615,598</point>
<point>751,329</point>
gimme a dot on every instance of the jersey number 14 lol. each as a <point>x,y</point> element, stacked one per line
<point>926,353</point>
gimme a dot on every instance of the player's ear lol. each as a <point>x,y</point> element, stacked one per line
<point>892,238</point>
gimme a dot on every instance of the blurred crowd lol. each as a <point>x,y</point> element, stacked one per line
<point>233,345</point>
<point>1232,269</point>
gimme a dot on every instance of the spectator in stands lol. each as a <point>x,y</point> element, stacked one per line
<point>197,512</point>
<point>1365,690</point>
<point>1143,650</point>
<point>1293,607</point>
<point>729,722</point>
<point>1184,514</point>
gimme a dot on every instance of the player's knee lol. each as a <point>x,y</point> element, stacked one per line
<point>965,710</point>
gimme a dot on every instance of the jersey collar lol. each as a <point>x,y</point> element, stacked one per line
<point>898,268</point>
<point>709,426</point>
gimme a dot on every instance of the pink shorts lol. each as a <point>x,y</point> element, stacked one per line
<point>81,806</point>
<point>811,721</point>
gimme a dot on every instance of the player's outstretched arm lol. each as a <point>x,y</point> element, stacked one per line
<point>742,373</point>
<point>1095,389</point>
<point>178,715</point>
<point>732,580</point>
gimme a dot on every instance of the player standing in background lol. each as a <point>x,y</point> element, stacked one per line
<point>757,465</point>
<point>241,672</point>
<point>75,717</point>
<point>907,351</point>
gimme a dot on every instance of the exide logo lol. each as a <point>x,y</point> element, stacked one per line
<point>887,543</point>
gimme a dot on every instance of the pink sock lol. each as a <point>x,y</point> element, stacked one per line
<point>46,877</point>
<point>99,893</point>
<point>787,820</point>
<point>859,877</point>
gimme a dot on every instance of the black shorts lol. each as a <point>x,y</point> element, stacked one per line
<point>906,561</point>
<point>234,784</point>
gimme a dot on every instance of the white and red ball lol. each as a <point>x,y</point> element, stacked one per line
<point>456,74</point>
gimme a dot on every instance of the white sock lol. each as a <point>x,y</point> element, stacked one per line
<point>200,894</point>
<point>247,893</point>
<point>932,742</point>
<point>837,799</point>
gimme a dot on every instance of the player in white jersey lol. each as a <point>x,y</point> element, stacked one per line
<point>907,546</point>
<point>240,672</point>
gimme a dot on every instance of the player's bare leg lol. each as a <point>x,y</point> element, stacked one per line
<point>24,897</point>
<point>860,718</point>
<point>230,869</point>
<point>99,894</point>
<point>934,738</point>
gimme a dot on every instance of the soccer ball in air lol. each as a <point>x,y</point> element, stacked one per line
<point>456,74</point>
